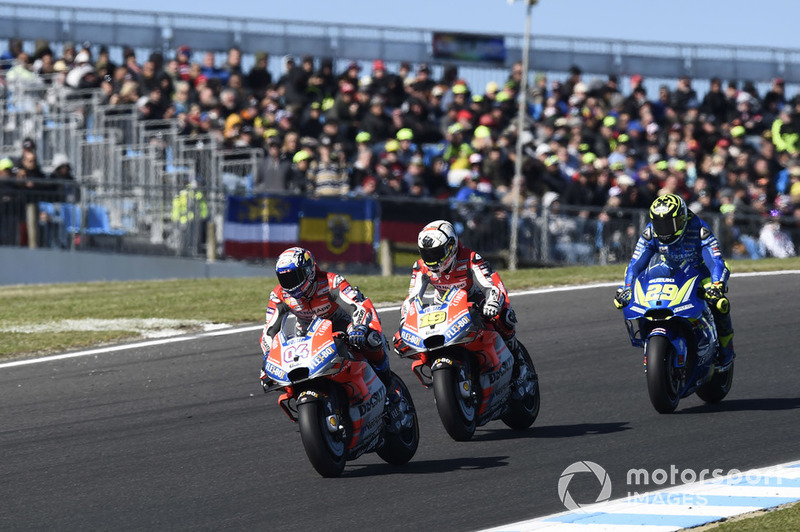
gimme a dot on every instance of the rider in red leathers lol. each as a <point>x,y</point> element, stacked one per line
<point>445,264</point>
<point>307,292</point>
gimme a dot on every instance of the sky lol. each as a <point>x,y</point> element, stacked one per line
<point>770,23</point>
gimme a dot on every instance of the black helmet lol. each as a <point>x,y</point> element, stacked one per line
<point>669,216</point>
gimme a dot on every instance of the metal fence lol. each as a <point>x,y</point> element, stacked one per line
<point>571,235</point>
<point>151,220</point>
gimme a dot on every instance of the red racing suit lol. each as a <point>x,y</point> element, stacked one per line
<point>333,299</point>
<point>473,274</point>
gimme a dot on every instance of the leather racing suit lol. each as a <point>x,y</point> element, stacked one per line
<point>472,273</point>
<point>700,248</point>
<point>336,300</point>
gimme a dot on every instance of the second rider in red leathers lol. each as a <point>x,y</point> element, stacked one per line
<point>445,263</point>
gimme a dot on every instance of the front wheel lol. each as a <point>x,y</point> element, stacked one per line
<point>399,447</point>
<point>523,412</point>
<point>664,380</point>
<point>325,449</point>
<point>718,387</point>
<point>452,391</point>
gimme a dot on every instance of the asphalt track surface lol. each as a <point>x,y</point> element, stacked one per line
<point>180,436</point>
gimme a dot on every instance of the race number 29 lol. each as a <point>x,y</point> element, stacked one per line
<point>663,292</point>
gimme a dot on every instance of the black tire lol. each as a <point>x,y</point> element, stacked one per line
<point>325,450</point>
<point>663,379</point>
<point>523,412</point>
<point>399,447</point>
<point>718,387</point>
<point>457,413</point>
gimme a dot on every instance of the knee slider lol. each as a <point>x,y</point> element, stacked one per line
<point>510,318</point>
<point>374,340</point>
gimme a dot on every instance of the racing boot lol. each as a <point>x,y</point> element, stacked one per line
<point>725,353</point>
<point>520,374</point>
<point>515,348</point>
<point>722,319</point>
<point>391,408</point>
<point>384,372</point>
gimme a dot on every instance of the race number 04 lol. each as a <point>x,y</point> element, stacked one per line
<point>296,352</point>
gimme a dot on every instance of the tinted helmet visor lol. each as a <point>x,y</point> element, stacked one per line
<point>433,256</point>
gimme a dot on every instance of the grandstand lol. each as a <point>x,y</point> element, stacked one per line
<point>131,167</point>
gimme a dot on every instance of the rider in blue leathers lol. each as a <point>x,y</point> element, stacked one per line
<point>679,235</point>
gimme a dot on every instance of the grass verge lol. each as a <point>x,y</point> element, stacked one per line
<point>776,520</point>
<point>230,301</point>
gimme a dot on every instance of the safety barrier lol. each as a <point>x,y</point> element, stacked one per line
<point>147,219</point>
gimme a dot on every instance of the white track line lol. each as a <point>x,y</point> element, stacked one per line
<point>236,330</point>
<point>678,507</point>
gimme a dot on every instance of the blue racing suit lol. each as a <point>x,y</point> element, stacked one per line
<point>700,248</point>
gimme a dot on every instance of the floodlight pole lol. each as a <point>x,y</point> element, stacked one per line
<point>516,186</point>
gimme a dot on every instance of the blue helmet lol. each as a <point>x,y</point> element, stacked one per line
<point>296,270</point>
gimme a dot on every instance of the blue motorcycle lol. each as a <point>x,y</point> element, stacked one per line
<point>668,316</point>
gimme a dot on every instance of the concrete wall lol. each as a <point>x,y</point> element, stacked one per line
<point>39,266</point>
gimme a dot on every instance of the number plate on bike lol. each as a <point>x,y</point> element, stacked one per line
<point>432,318</point>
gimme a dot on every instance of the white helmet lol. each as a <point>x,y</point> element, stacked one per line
<point>438,245</point>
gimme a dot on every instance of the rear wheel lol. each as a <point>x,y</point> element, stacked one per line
<point>664,380</point>
<point>524,411</point>
<point>718,387</point>
<point>325,449</point>
<point>400,447</point>
<point>452,390</point>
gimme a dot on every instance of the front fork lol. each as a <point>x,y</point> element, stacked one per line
<point>678,343</point>
<point>333,418</point>
<point>464,376</point>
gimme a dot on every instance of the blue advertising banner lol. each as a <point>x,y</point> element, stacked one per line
<point>469,47</point>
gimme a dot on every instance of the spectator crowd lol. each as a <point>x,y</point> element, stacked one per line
<point>372,131</point>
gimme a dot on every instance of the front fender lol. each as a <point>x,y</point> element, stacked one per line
<point>308,396</point>
<point>442,363</point>
<point>678,342</point>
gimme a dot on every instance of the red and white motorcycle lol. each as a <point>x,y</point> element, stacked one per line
<point>341,405</point>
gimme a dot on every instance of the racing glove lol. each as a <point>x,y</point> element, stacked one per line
<point>492,305</point>
<point>623,297</point>
<point>715,294</point>
<point>357,336</point>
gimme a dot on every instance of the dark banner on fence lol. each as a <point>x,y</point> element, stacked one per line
<point>402,220</point>
<point>469,47</point>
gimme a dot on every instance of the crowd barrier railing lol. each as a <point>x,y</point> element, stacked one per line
<point>127,217</point>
